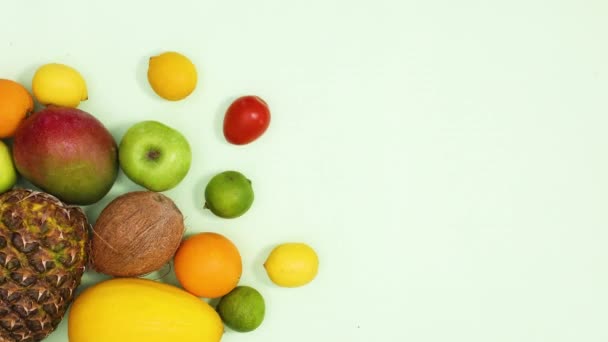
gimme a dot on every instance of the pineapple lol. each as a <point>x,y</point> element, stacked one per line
<point>44,246</point>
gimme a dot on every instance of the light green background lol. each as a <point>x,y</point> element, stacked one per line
<point>447,159</point>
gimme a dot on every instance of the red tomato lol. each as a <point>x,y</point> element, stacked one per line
<point>246,119</point>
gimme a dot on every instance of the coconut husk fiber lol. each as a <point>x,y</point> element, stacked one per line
<point>135,234</point>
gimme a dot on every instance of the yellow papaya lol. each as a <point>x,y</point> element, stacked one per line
<point>134,310</point>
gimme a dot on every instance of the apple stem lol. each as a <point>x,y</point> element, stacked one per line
<point>154,154</point>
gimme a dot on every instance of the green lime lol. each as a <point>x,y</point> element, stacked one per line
<point>229,194</point>
<point>242,309</point>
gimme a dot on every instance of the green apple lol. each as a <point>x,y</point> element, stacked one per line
<point>8,175</point>
<point>154,155</point>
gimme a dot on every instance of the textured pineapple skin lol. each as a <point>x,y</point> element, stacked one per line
<point>44,247</point>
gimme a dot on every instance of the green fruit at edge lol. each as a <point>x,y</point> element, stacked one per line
<point>8,175</point>
<point>229,194</point>
<point>242,309</point>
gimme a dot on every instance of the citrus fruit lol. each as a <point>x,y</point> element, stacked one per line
<point>60,85</point>
<point>229,194</point>
<point>172,75</point>
<point>292,264</point>
<point>242,309</point>
<point>208,265</point>
<point>15,103</point>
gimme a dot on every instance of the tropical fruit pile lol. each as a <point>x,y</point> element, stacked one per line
<point>71,160</point>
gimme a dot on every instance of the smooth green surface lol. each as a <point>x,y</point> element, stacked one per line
<point>8,175</point>
<point>229,194</point>
<point>446,159</point>
<point>242,309</point>
<point>154,155</point>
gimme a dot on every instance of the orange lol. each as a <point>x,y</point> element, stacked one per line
<point>15,103</point>
<point>208,265</point>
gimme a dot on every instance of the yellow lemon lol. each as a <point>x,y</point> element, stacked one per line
<point>60,85</point>
<point>292,264</point>
<point>172,75</point>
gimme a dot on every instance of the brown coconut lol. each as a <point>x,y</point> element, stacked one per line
<point>135,234</point>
